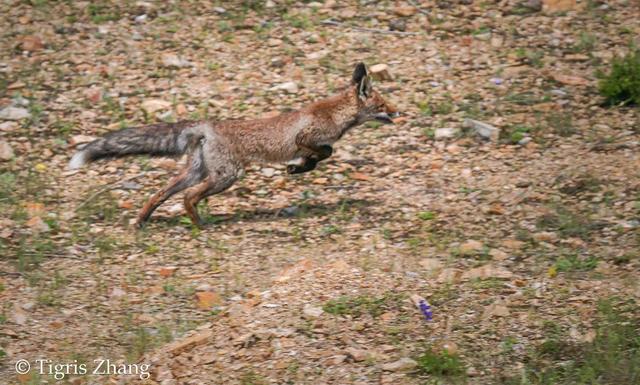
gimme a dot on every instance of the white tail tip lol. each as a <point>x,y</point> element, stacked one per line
<point>79,159</point>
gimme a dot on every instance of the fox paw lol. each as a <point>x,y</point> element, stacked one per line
<point>293,169</point>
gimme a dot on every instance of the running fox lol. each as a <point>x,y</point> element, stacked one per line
<point>218,152</point>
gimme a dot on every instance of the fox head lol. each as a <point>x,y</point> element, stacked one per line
<point>371,105</point>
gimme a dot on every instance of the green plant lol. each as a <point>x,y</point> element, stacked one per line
<point>611,357</point>
<point>566,222</point>
<point>100,13</point>
<point>357,306</point>
<point>622,83</point>
<point>561,123</point>
<point>586,42</point>
<point>572,263</point>
<point>426,215</point>
<point>440,364</point>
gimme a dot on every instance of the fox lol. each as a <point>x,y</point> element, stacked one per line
<point>219,151</point>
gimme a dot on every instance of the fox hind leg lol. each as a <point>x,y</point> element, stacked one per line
<point>192,174</point>
<point>212,185</point>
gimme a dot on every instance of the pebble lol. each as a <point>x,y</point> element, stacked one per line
<point>445,133</point>
<point>6,152</point>
<point>14,113</point>
<point>403,364</point>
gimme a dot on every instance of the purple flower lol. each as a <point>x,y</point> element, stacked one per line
<point>426,310</point>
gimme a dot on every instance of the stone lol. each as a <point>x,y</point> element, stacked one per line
<point>268,172</point>
<point>171,60</point>
<point>32,43</point>
<point>545,236</point>
<point>288,87</point>
<point>380,72</point>
<point>449,275</point>
<point>38,225</point>
<point>200,338</point>
<point>6,152</point>
<point>498,254</point>
<point>430,263</point>
<point>496,309</point>
<point>484,130</point>
<point>358,355</point>
<point>14,113</point>
<point>402,365</point>
<point>552,6</point>
<point>471,247</point>
<point>405,11</point>
<point>8,126</point>
<point>445,133</point>
<point>154,105</point>
<point>312,311</point>
<point>487,271</point>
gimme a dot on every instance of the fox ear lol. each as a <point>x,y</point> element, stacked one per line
<point>361,79</point>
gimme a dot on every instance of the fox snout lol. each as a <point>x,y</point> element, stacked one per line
<point>388,114</point>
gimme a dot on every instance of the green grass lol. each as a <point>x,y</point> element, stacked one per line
<point>622,83</point>
<point>515,134</point>
<point>572,263</point>
<point>567,223</point>
<point>440,364</point>
<point>101,13</point>
<point>586,43</point>
<point>426,215</point>
<point>360,305</point>
<point>611,358</point>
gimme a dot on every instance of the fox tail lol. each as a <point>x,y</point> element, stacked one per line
<point>162,139</point>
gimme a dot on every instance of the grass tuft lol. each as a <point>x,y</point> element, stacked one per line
<point>622,83</point>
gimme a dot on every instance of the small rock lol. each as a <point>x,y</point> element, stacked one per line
<point>498,254</point>
<point>6,152</point>
<point>358,355</point>
<point>430,263</point>
<point>14,113</point>
<point>171,60</point>
<point>552,6</point>
<point>497,41</point>
<point>268,172</point>
<point>403,364</point>
<point>485,130</point>
<point>141,19</point>
<point>534,5</point>
<point>524,141</point>
<point>312,311</point>
<point>496,310</point>
<point>38,225</point>
<point>513,244</point>
<point>19,316</point>
<point>154,105</point>
<point>32,43</point>
<point>8,126</point>
<point>445,133</point>
<point>219,10</point>
<point>380,72</point>
<point>290,211</point>
<point>471,247</point>
<point>487,271</point>
<point>570,80</point>
<point>189,342</point>
<point>397,25</point>
<point>289,87</point>
<point>449,275</point>
<point>405,11</point>
<point>545,236</point>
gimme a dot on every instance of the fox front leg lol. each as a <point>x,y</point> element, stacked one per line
<point>319,153</point>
